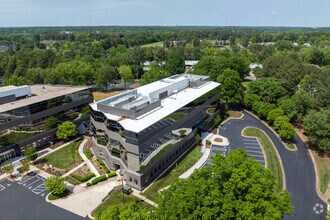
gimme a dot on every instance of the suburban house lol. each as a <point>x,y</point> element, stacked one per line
<point>145,130</point>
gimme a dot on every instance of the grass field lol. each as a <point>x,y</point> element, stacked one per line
<point>116,198</point>
<point>102,95</point>
<point>234,114</point>
<point>172,174</point>
<point>177,116</point>
<point>271,157</point>
<point>323,168</point>
<point>156,44</point>
<point>14,137</point>
<point>64,157</point>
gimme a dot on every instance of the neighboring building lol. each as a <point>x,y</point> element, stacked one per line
<point>143,131</point>
<point>189,64</point>
<point>23,111</point>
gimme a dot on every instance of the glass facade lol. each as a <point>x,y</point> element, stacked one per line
<point>34,108</point>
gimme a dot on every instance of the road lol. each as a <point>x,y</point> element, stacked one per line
<point>298,168</point>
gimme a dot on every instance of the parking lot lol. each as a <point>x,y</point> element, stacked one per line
<point>34,183</point>
<point>26,200</point>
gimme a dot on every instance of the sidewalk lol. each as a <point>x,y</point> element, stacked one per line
<point>86,160</point>
<point>74,169</point>
<point>137,194</point>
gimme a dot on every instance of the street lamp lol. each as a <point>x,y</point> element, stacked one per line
<point>122,187</point>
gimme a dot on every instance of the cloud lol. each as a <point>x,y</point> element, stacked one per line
<point>274,12</point>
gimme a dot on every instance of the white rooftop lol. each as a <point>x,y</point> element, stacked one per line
<point>170,104</point>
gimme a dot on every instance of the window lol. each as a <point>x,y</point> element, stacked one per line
<point>130,179</point>
<point>135,182</point>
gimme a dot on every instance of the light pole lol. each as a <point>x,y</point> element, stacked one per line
<point>122,187</point>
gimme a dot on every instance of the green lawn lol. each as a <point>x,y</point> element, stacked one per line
<point>291,146</point>
<point>156,44</point>
<point>177,116</point>
<point>116,198</point>
<point>64,157</point>
<point>172,174</point>
<point>14,137</point>
<point>323,169</point>
<point>234,114</point>
<point>157,156</point>
<point>271,157</point>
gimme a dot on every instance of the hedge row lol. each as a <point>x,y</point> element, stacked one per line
<point>83,178</point>
<point>101,178</point>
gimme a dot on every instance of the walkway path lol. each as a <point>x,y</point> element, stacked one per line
<point>74,169</point>
<point>87,161</point>
<point>137,194</point>
<point>202,160</point>
<point>298,167</point>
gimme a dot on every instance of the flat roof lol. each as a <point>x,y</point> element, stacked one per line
<point>7,88</point>
<point>168,105</point>
<point>42,93</point>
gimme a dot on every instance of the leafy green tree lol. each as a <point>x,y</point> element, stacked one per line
<point>235,187</point>
<point>85,110</point>
<point>279,121</point>
<point>316,125</point>
<point>287,70</point>
<point>126,74</point>
<point>31,153</point>
<point>155,73</point>
<point>273,114</point>
<point>249,99</point>
<point>75,72</point>
<point>4,140</point>
<point>231,88</point>
<point>286,131</point>
<point>51,122</point>
<point>269,89</point>
<point>131,211</point>
<point>66,130</point>
<point>262,108</point>
<point>105,75</point>
<point>55,185</point>
<point>175,63</point>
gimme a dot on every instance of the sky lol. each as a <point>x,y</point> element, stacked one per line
<point>303,13</point>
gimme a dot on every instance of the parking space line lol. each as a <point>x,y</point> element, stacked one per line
<point>254,151</point>
<point>251,143</point>
<point>252,155</point>
<point>39,189</point>
<point>38,179</point>
<point>2,187</point>
<point>26,180</point>
<point>254,147</point>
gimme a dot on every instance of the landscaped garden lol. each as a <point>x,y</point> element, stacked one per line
<point>177,116</point>
<point>187,161</point>
<point>64,158</point>
<point>273,163</point>
<point>80,176</point>
<point>119,199</point>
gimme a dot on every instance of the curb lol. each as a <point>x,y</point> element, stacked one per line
<point>277,154</point>
<point>285,145</point>
<point>318,191</point>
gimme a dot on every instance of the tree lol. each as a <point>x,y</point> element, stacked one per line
<point>51,122</point>
<point>316,125</point>
<point>4,140</point>
<point>279,121</point>
<point>249,99</point>
<point>31,153</point>
<point>66,130</point>
<point>155,73</point>
<point>105,75</point>
<point>131,211</point>
<point>231,88</point>
<point>273,114</point>
<point>269,89</point>
<point>55,185</point>
<point>198,138</point>
<point>235,187</point>
<point>75,72</point>
<point>175,63</point>
<point>286,131</point>
<point>126,74</point>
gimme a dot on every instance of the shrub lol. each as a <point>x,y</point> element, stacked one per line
<point>112,174</point>
<point>279,121</point>
<point>8,169</point>
<point>198,138</point>
<point>31,153</point>
<point>25,167</point>
<point>103,165</point>
<point>182,132</point>
<point>56,185</point>
<point>88,153</point>
<point>99,179</point>
<point>83,178</point>
<point>273,114</point>
<point>88,184</point>
<point>287,131</point>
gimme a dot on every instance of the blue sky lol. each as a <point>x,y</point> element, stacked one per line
<point>314,13</point>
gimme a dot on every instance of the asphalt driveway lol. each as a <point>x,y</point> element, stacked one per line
<point>27,202</point>
<point>298,167</point>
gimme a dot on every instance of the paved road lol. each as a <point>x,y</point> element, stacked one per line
<point>25,200</point>
<point>298,168</point>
